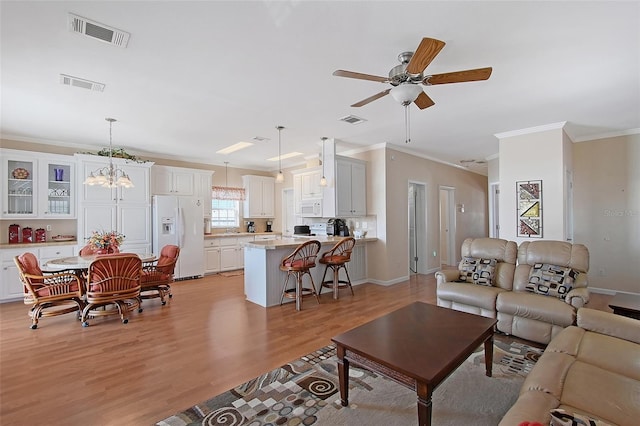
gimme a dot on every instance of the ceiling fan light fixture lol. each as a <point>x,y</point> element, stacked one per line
<point>406,93</point>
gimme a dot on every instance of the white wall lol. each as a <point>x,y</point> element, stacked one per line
<point>533,154</point>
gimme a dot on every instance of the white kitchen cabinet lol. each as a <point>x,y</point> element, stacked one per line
<point>38,186</point>
<point>12,288</point>
<point>168,180</point>
<point>204,191</point>
<point>260,196</point>
<point>307,192</point>
<point>226,253</point>
<point>310,184</point>
<point>211,255</point>
<point>125,210</point>
<point>228,258</point>
<point>350,188</point>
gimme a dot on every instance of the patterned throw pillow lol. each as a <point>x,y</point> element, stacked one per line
<point>551,280</point>
<point>560,417</point>
<point>467,267</point>
<point>483,274</point>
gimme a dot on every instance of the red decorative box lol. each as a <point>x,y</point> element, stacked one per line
<point>27,235</point>
<point>14,233</point>
<point>41,235</point>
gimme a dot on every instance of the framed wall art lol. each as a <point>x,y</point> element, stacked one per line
<point>529,199</point>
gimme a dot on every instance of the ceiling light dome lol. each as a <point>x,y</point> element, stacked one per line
<point>406,93</point>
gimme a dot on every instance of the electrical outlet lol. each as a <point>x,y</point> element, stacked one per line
<point>364,225</point>
<point>435,254</point>
<point>48,227</point>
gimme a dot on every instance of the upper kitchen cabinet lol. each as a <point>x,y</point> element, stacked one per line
<point>351,184</point>
<point>137,172</point>
<point>36,185</point>
<point>310,183</point>
<point>260,196</point>
<point>167,180</point>
<point>125,210</point>
<point>307,192</point>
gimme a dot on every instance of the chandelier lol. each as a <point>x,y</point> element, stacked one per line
<point>109,176</point>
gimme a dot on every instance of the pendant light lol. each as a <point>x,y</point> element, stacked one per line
<point>280,175</point>
<point>109,176</point>
<point>323,179</point>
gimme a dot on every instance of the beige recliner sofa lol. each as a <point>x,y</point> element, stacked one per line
<point>549,285</point>
<point>589,370</point>
<point>480,299</point>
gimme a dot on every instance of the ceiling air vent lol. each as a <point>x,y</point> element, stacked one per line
<point>80,25</point>
<point>81,83</point>
<point>352,119</point>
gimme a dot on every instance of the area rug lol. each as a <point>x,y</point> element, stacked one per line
<point>232,273</point>
<point>306,392</point>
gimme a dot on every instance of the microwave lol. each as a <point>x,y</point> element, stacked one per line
<point>311,208</point>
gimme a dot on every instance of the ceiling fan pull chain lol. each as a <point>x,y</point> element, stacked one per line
<point>407,124</point>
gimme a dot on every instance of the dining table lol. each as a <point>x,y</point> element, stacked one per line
<point>80,263</point>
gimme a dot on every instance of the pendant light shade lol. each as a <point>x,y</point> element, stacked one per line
<point>109,176</point>
<point>280,175</point>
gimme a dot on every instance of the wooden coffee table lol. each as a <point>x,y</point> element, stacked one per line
<point>627,305</point>
<point>418,346</point>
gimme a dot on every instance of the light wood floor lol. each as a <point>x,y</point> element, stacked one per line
<point>206,340</point>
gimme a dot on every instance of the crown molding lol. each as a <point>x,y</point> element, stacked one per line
<point>528,130</point>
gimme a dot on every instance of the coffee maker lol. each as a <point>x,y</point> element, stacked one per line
<point>269,224</point>
<point>251,227</point>
<point>337,227</point>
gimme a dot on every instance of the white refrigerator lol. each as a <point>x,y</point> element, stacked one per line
<point>179,220</point>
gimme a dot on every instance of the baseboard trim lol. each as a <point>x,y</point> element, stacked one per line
<point>390,282</point>
<point>609,292</point>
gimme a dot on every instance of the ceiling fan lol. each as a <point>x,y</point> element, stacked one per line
<point>407,77</point>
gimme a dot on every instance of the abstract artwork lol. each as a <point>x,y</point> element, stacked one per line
<point>529,198</point>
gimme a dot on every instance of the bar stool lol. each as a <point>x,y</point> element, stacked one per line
<point>337,259</point>
<point>299,263</point>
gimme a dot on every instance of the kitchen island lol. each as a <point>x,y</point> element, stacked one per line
<point>263,279</point>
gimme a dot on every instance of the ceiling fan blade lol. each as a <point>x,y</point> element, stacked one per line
<point>424,101</point>
<point>371,98</point>
<point>458,76</point>
<point>427,50</point>
<point>360,76</point>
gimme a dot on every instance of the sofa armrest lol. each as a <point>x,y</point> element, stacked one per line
<point>577,297</point>
<point>609,324</point>
<point>447,275</point>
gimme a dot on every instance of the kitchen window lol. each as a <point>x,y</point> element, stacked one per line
<point>225,213</point>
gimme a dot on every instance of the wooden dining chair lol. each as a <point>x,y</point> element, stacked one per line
<point>157,275</point>
<point>113,282</point>
<point>299,264</point>
<point>49,294</point>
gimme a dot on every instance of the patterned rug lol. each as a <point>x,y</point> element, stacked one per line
<point>305,392</point>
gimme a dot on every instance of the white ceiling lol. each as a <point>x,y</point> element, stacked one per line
<point>199,76</point>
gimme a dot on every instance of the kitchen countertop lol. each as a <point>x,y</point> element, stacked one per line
<point>292,242</point>
<point>239,234</point>
<point>46,244</point>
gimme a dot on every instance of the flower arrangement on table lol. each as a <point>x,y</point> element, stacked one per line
<point>106,241</point>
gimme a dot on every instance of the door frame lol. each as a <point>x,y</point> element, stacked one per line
<point>422,265</point>
<point>494,210</point>
<point>451,215</point>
